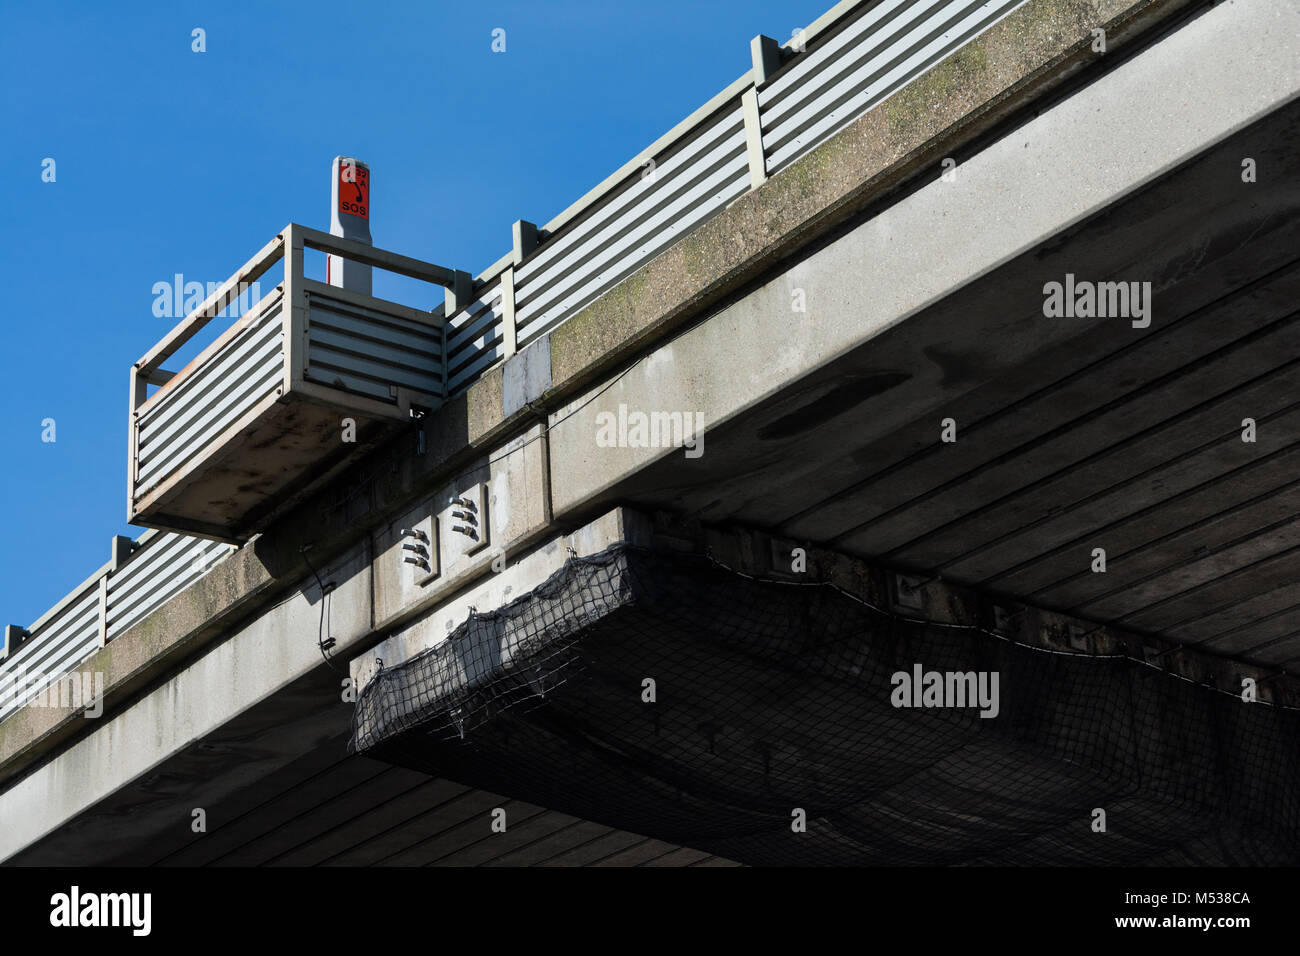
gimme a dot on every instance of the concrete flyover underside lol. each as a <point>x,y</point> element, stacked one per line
<point>822,427</point>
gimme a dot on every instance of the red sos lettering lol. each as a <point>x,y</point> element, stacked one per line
<point>354,190</point>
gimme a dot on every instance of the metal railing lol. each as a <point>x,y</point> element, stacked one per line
<point>303,342</point>
<point>140,577</point>
<point>795,96</point>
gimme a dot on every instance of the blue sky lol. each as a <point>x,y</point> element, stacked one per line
<point>170,161</point>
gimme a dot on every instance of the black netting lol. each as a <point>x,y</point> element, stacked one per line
<point>772,696</point>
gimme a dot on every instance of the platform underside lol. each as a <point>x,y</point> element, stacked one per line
<point>291,449</point>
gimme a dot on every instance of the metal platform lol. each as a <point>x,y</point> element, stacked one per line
<point>285,397</point>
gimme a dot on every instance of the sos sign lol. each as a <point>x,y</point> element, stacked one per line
<point>354,190</point>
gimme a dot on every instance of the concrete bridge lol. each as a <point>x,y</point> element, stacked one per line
<point>852,397</point>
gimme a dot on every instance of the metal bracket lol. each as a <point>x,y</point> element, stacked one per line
<point>465,519</point>
<point>419,551</point>
<point>907,592</point>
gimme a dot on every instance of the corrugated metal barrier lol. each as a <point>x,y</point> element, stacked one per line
<point>227,380</point>
<point>854,58</point>
<point>159,566</point>
<point>365,350</point>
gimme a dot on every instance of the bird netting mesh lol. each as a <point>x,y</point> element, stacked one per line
<point>770,733</point>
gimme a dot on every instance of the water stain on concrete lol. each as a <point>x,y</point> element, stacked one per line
<point>847,395</point>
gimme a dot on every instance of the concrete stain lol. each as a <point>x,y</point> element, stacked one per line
<point>840,399</point>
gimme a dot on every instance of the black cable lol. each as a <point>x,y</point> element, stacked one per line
<point>321,641</point>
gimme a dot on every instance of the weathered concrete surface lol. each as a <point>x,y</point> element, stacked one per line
<point>158,643</point>
<point>1036,48</point>
<point>526,377</point>
<point>1119,437</point>
<point>275,649</point>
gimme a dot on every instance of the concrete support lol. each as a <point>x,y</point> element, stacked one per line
<point>756,553</point>
<point>268,654</point>
<point>459,293</point>
<point>525,238</point>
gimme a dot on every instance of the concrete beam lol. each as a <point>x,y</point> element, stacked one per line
<point>161,641</point>
<point>271,652</point>
<point>501,587</point>
<point>754,552</point>
<point>1143,126</point>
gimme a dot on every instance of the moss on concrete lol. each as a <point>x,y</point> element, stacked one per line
<point>485,405</point>
<point>1025,52</point>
